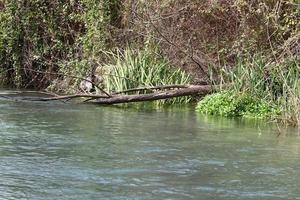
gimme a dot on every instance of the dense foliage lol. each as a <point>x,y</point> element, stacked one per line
<point>46,43</point>
<point>198,34</point>
<point>70,36</point>
<point>36,35</point>
<point>232,104</point>
<point>269,89</point>
<point>39,38</point>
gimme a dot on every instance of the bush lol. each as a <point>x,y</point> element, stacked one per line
<point>232,104</point>
<point>277,82</point>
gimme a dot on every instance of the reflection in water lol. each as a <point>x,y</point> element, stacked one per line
<point>60,151</point>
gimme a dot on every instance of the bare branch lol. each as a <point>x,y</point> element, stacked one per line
<point>67,97</point>
<point>191,90</point>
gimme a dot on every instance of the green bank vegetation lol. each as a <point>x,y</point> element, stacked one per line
<point>134,69</point>
<point>237,104</point>
<point>40,39</point>
<point>252,46</point>
<point>258,89</point>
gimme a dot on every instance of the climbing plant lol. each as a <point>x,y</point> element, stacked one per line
<point>40,39</point>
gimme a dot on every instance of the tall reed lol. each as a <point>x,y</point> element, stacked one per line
<point>276,82</point>
<point>132,69</point>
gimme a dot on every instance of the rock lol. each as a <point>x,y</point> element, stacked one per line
<point>86,85</point>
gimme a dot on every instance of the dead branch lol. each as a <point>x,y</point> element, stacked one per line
<point>37,92</point>
<point>67,97</point>
<point>165,92</point>
<point>200,62</point>
<point>191,90</point>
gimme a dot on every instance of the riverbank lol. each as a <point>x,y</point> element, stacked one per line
<point>99,48</point>
<point>258,89</point>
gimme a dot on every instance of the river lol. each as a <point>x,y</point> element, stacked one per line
<point>71,151</point>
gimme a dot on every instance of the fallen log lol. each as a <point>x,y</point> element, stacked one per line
<point>185,91</point>
<point>158,93</point>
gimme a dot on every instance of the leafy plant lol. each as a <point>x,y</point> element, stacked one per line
<point>232,104</point>
<point>277,82</point>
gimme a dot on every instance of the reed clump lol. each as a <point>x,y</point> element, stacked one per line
<point>272,88</point>
<point>133,69</point>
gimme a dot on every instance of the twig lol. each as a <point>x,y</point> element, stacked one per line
<point>193,58</point>
<point>67,97</point>
<point>38,92</point>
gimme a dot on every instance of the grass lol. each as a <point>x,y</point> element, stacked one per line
<point>132,69</point>
<point>273,87</point>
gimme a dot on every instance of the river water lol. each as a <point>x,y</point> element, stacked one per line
<point>68,151</point>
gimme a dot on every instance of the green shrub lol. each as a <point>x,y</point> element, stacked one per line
<point>277,82</point>
<point>232,104</point>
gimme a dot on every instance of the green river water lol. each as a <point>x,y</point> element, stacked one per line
<point>69,151</point>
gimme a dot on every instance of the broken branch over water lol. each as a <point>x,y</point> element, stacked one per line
<point>184,91</point>
<point>157,93</point>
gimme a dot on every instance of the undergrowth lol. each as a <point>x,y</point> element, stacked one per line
<point>258,88</point>
<point>233,104</point>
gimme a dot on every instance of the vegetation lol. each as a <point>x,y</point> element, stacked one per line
<point>257,88</point>
<point>131,69</point>
<point>41,38</point>
<point>197,35</point>
<point>49,44</point>
<point>35,36</point>
<point>233,104</point>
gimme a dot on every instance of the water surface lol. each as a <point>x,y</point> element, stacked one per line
<point>62,151</point>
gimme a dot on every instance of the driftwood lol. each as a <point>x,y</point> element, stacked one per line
<point>157,93</point>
